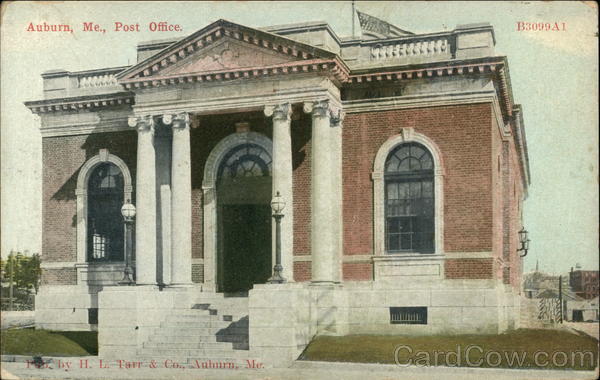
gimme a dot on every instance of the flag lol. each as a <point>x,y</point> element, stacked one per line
<point>373,24</point>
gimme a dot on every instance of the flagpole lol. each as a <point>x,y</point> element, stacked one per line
<point>353,12</point>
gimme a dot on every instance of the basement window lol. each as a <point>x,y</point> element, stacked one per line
<point>93,316</point>
<point>408,315</point>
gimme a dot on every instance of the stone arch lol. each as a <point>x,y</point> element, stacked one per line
<point>215,157</point>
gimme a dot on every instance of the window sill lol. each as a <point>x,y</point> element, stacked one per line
<point>409,256</point>
<point>103,265</point>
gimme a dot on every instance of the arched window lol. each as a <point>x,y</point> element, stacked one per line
<point>104,222</point>
<point>409,200</point>
<point>247,160</point>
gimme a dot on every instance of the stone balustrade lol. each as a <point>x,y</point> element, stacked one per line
<point>97,80</point>
<point>400,49</point>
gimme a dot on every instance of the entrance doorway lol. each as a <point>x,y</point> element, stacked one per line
<point>244,219</point>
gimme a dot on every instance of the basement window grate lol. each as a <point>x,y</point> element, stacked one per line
<point>408,315</point>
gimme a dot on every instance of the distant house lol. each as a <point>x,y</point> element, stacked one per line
<point>582,310</point>
<point>542,285</point>
<point>584,283</point>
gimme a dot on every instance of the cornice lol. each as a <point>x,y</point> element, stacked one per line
<point>495,66</point>
<point>80,102</point>
<point>418,101</point>
<point>331,67</point>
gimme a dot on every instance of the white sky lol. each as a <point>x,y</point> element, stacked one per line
<point>554,76</point>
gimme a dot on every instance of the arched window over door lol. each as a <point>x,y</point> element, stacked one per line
<point>104,221</point>
<point>247,160</point>
<point>409,200</point>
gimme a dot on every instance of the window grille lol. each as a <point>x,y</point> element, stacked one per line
<point>408,315</point>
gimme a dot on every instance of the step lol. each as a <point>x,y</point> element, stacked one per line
<point>178,331</point>
<point>209,338</point>
<point>226,317</point>
<point>193,353</point>
<point>224,345</point>
<point>190,345</point>
<point>190,312</point>
<point>187,318</point>
<point>210,323</point>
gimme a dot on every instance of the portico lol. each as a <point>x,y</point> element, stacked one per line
<point>326,226</point>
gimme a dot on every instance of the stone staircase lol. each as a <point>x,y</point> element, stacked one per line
<point>213,333</point>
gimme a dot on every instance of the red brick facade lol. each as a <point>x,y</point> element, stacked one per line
<point>62,276</point>
<point>463,134</point>
<point>62,159</point>
<point>469,268</point>
<point>302,271</point>
<point>482,185</point>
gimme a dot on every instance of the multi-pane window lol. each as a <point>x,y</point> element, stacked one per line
<point>409,200</point>
<point>247,160</point>
<point>105,223</point>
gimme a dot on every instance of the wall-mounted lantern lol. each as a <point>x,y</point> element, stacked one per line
<point>524,240</point>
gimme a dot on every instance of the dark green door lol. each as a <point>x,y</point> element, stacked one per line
<point>246,246</point>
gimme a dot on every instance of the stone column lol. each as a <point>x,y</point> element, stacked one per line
<point>282,182</point>
<point>324,215</point>
<point>181,200</point>
<point>145,224</point>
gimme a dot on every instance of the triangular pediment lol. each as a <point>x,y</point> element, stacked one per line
<point>223,46</point>
<point>225,54</point>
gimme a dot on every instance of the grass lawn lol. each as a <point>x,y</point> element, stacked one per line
<point>559,350</point>
<point>48,343</point>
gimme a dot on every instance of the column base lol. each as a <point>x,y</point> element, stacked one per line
<point>147,286</point>
<point>182,285</point>
<point>323,282</point>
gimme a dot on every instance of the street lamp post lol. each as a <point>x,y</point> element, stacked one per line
<point>277,205</point>
<point>128,212</point>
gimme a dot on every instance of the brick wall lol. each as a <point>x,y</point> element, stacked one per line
<point>357,271</point>
<point>62,159</point>
<point>301,165</point>
<point>463,135</point>
<point>302,271</point>
<point>62,276</point>
<point>515,195</point>
<point>198,273</point>
<point>469,268</point>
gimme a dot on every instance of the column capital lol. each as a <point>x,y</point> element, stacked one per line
<point>325,108</point>
<point>282,111</point>
<point>179,120</point>
<point>142,123</point>
<point>337,117</point>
